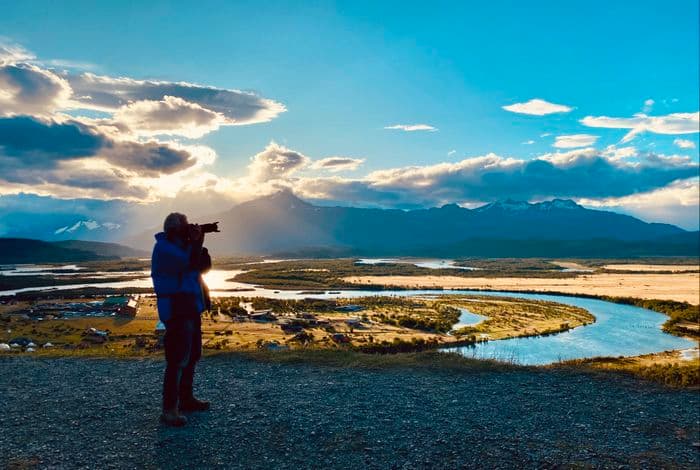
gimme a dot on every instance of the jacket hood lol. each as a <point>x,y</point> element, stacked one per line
<point>160,236</point>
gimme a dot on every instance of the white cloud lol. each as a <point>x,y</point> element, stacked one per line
<point>13,53</point>
<point>678,203</point>
<point>684,143</point>
<point>537,107</point>
<point>335,164</point>
<point>28,89</point>
<point>528,142</point>
<point>617,153</point>
<point>648,104</point>
<point>169,116</point>
<point>412,127</point>
<point>676,123</point>
<point>45,151</point>
<point>108,94</point>
<point>574,141</point>
<point>451,152</point>
<point>276,162</point>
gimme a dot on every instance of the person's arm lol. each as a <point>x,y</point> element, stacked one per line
<point>196,242</point>
<point>204,261</point>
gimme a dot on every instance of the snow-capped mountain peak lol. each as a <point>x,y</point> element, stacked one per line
<point>87,224</point>
<point>558,204</point>
<point>507,205</point>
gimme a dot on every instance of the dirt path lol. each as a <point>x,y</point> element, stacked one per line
<point>100,413</point>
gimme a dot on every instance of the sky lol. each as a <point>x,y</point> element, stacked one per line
<point>377,104</point>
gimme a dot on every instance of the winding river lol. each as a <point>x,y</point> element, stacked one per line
<point>619,330</point>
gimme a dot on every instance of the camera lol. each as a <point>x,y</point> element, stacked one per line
<point>208,228</point>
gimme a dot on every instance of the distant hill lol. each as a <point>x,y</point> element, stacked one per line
<point>284,224</point>
<point>112,250</point>
<point>24,250</point>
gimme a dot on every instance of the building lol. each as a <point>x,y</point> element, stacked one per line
<point>122,305</point>
<point>262,315</point>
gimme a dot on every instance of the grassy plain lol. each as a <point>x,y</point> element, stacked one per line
<point>681,287</point>
<point>383,324</point>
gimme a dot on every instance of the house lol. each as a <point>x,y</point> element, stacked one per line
<point>263,315</point>
<point>292,326</point>
<point>354,323</point>
<point>131,308</point>
<point>121,305</point>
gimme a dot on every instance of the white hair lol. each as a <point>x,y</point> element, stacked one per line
<point>174,221</point>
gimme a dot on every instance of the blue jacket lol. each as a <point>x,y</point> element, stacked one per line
<point>174,270</point>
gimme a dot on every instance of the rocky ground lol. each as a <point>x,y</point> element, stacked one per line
<point>103,413</point>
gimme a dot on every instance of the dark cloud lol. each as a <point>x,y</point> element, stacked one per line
<point>583,174</point>
<point>71,180</point>
<point>27,142</point>
<point>107,93</point>
<point>149,158</point>
<point>39,141</point>
<point>337,164</point>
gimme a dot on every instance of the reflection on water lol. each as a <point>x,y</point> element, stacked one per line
<point>619,330</point>
<point>427,263</point>
<point>35,269</point>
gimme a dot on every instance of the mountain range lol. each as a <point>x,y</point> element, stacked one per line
<point>283,224</point>
<point>24,250</point>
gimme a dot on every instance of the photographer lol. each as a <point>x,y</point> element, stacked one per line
<point>177,265</point>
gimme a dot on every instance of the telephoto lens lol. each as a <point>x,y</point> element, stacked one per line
<point>210,228</point>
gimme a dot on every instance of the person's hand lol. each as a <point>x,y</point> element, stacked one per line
<point>195,233</point>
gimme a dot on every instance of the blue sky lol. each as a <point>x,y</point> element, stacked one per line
<point>344,71</point>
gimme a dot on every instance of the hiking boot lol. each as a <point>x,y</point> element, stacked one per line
<point>192,404</point>
<point>173,418</point>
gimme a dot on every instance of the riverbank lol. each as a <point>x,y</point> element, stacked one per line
<point>299,414</point>
<point>672,368</point>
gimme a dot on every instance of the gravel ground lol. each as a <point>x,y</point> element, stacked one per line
<point>103,413</point>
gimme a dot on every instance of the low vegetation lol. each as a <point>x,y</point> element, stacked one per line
<point>664,368</point>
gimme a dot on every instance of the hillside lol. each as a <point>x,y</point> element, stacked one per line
<point>25,250</point>
<point>103,249</point>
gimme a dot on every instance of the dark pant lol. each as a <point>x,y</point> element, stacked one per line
<point>183,348</point>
